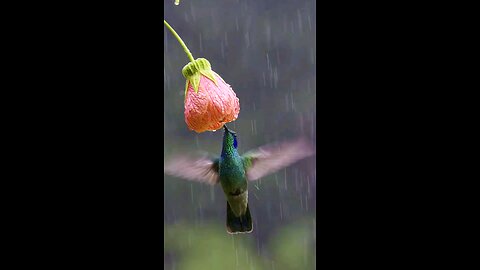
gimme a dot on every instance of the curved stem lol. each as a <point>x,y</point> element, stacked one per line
<point>189,54</point>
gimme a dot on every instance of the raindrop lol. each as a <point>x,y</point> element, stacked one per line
<point>299,17</point>
<point>192,12</point>
<point>258,245</point>
<point>268,62</point>
<point>167,80</point>
<point>247,39</point>
<point>200,211</point>
<point>174,216</point>
<point>286,102</point>
<point>306,203</point>
<point>201,44</point>
<point>222,50</point>
<point>285,179</point>
<point>268,33</point>
<point>177,2</point>
<point>309,22</point>
<point>301,203</point>
<point>271,78</point>
<point>308,185</point>
<point>269,210</point>
<point>305,248</point>
<point>312,130</point>
<point>191,192</point>
<point>212,194</point>
<point>166,42</point>
<point>296,180</point>
<point>312,56</point>
<point>291,100</point>
<point>236,257</point>
<point>281,211</point>
<point>254,127</point>
<point>301,124</point>
<point>275,77</point>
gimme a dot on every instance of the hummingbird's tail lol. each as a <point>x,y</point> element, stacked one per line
<point>242,224</point>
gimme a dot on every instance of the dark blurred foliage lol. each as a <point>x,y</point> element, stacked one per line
<point>266,51</point>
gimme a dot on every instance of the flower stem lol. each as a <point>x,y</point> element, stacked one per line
<point>189,54</point>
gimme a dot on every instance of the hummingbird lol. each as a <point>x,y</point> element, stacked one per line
<point>233,172</point>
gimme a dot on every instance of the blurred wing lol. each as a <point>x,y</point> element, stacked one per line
<point>270,158</point>
<point>202,169</point>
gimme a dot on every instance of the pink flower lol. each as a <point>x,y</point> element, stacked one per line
<point>209,101</point>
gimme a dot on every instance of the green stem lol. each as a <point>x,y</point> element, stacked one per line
<point>187,51</point>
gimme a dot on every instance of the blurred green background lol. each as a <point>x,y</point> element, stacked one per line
<point>266,51</point>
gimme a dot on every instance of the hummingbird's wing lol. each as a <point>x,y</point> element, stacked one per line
<point>270,158</point>
<point>202,169</point>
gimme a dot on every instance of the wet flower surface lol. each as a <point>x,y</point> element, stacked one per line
<point>209,101</point>
<point>212,106</point>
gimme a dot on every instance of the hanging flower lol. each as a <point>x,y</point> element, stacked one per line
<point>209,101</point>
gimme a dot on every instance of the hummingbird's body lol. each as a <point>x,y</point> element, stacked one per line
<point>233,172</point>
<point>233,179</point>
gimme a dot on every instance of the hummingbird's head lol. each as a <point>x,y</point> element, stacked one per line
<point>229,137</point>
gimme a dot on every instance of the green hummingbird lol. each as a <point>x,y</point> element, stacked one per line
<point>234,171</point>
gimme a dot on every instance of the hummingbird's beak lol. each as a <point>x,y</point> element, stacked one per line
<point>228,130</point>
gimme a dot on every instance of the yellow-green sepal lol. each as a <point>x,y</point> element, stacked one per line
<point>209,74</point>
<point>193,71</point>
<point>195,81</point>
